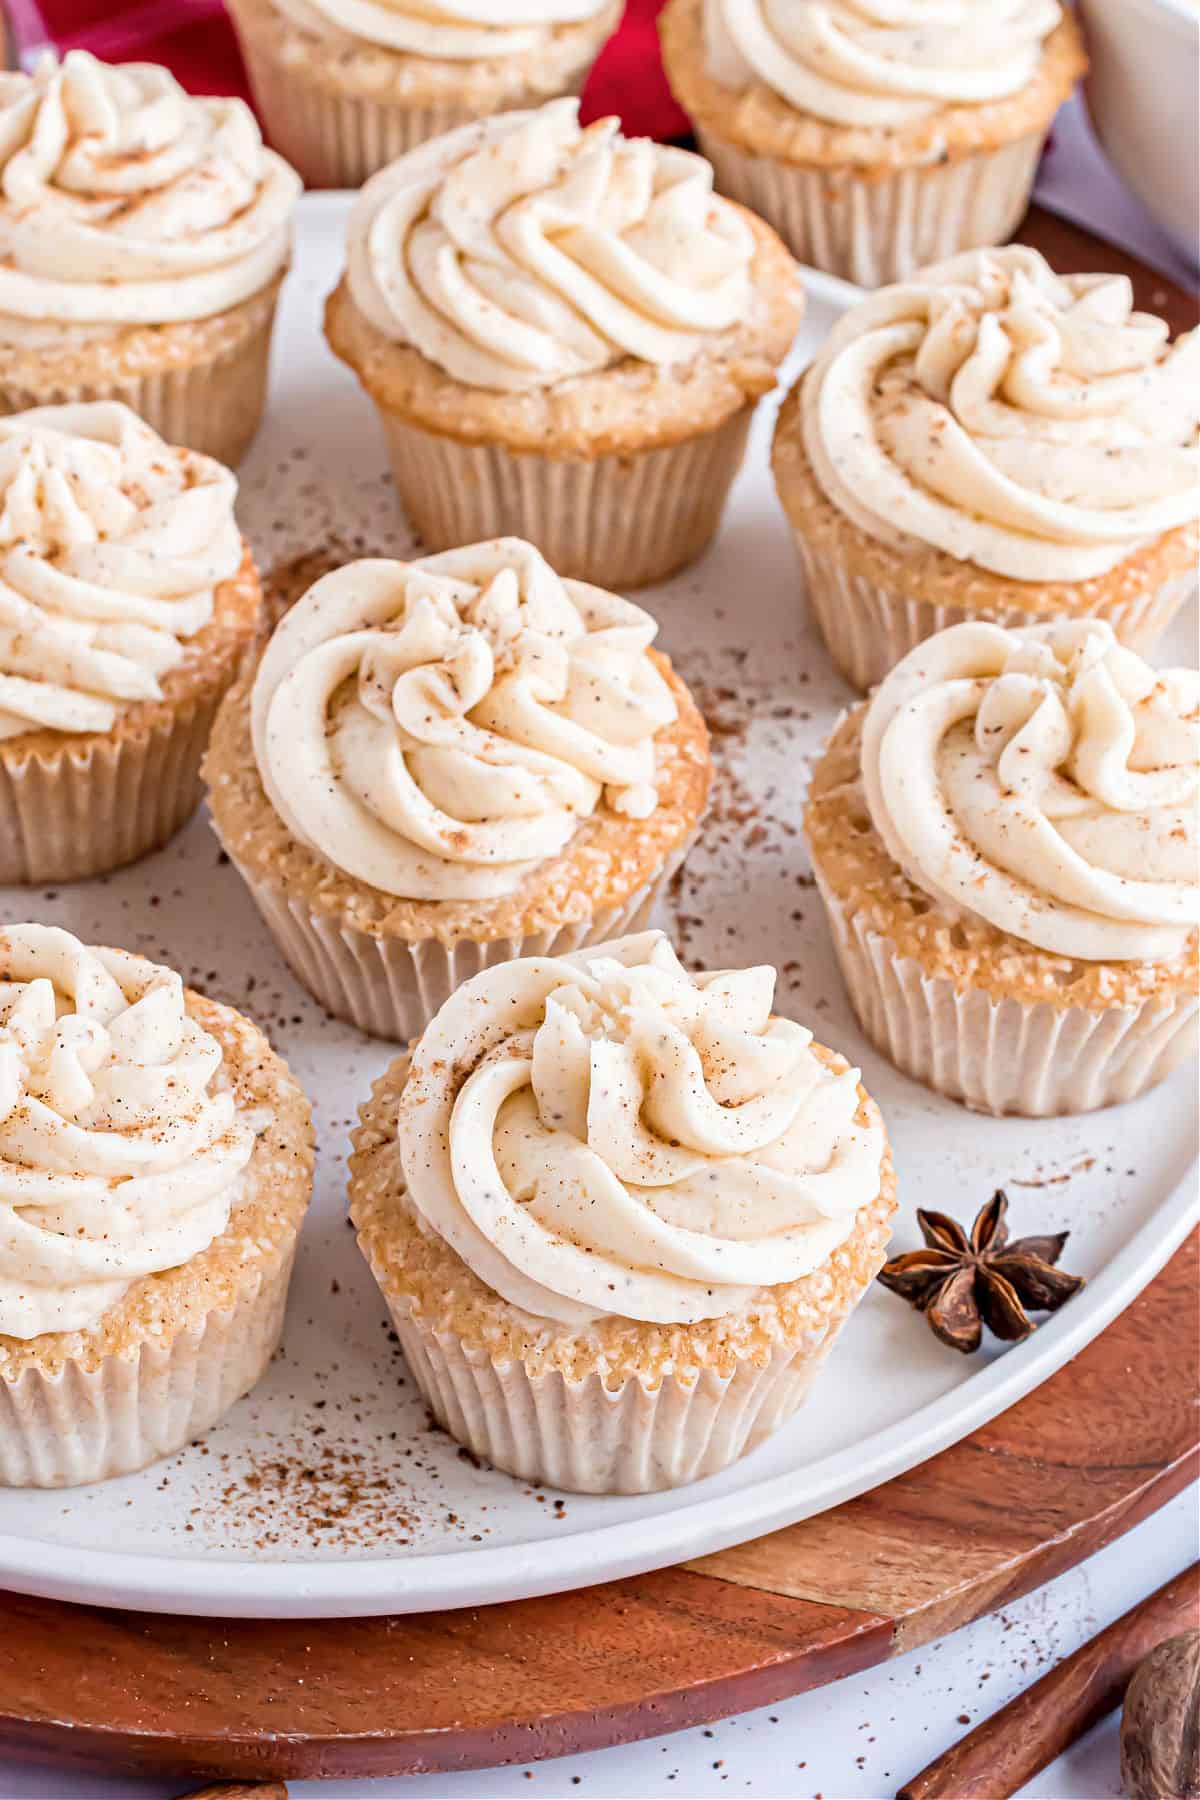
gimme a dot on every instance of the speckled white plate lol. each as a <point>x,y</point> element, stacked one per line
<point>326,1492</point>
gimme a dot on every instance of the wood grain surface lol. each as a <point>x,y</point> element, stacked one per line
<point>1098,1447</point>
<point>1073,1465</point>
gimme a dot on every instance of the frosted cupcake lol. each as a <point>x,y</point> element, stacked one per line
<point>346,86</point>
<point>155,1166</point>
<point>875,135</point>
<point>992,440</point>
<point>1005,838</point>
<point>565,335</point>
<point>619,1214</point>
<point>127,601</point>
<point>443,764</point>
<point>143,238</point>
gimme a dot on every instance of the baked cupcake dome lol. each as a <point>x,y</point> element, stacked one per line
<point>619,1214</point>
<point>129,600</point>
<point>565,336</point>
<point>992,440</point>
<point>145,275</point>
<point>155,1167</point>
<point>347,86</point>
<point>441,765</point>
<point>873,139</point>
<point>1005,840</point>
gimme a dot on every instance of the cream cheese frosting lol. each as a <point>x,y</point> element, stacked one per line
<point>1046,780</point>
<point>120,1148</point>
<point>606,1133</point>
<point>125,201</point>
<point>438,728</point>
<point>526,249</point>
<point>445,30</point>
<point>878,63</point>
<point>111,546</point>
<point>1030,423</point>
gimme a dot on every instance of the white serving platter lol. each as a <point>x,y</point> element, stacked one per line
<point>327,1492</point>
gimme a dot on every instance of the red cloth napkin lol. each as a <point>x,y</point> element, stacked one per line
<point>194,39</point>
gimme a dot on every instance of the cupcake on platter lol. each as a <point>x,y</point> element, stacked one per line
<point>991,440</point>
<point>565,335</point>
<point>155,1166</point>
<point>1005,838</point>
<point>144,236</point>
<point>875,135</point>
<point>619,1213</point>
<point>346,86</point>
<point>444,764</point>
<point>127,601</point>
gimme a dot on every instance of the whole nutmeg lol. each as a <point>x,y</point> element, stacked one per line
<point>1160,1727</point>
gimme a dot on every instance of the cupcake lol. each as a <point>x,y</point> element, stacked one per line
<point>155,1166</point>
<point>1005,838</point>
<point>127,601</point>
<point>145,234</point>
<point>346,86</point>
<point>875,135</point>
<point>443,764</point>
<point>992,441</point>
<point>619,1214</point>
<point>565,335</point>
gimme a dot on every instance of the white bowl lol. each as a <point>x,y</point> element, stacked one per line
<point>1143,93</point>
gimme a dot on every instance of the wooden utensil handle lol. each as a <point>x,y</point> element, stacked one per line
<point>240,1790</point>
<point>1008,1749</point>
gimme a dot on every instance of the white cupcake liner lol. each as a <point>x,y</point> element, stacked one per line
<point>591,1439</point>
<point>618,521</point>
<point>1032,1058</point>
<point>214,406</point>
<point>340,140</point>
<point>94,806</point>
<point>81,1425</point>
<point>392,988</point>
<point>868,629</point>
<point>877,228</point>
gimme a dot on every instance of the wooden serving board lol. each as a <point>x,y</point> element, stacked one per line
<point>1102,1444</point>
<point>1099,1446</point>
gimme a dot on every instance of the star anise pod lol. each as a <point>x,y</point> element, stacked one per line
<point>962,1284</point>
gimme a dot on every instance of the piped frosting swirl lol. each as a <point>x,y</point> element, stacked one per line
<point>126,201</point>
<point>111,546</point>
<point>120,1147</point>
<point>437,729</point>
<point>1030,423</point>
<point>1046,780</point>
<point>443,30</point>
<point>527,250</point>
<point>606,1134</point>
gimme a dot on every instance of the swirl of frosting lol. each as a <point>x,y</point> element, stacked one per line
<point>1027,422</point>
<point>126,201</point>
<point>878,63</point>
<point>439,728</point>
<point>524,250</point>
<point>1046,780</point>
<point>111,544</point>
<point>120,1151</point>
<point>446,30</point>
<point>606,1134</point>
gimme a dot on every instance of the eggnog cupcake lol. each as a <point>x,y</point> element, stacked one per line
<point>1005,838</point>
<point>143,237</point>
<point>155,1166</point>
<point>875,135</point>
<point>127,601</point>
<point>992,440</point>
<point>619,1214</point>
<point>346,86</point>
<point>565,335</point>
<point>444,764</point>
